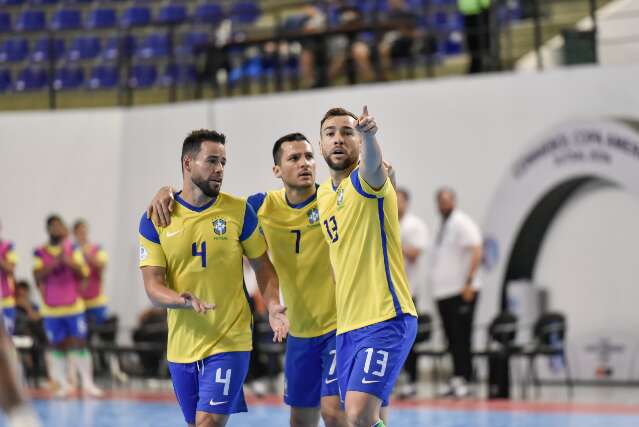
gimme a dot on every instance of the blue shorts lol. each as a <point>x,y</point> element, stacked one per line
<point>9,315</point>
<point>62,327</point>
<point>369,359</point>
<point>96,315</point>
<point>310,370</point>
<point>213,385</point>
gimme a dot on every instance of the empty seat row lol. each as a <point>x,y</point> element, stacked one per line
<point>154,45</point>
<point>100,77</point>
<point>134,16</point>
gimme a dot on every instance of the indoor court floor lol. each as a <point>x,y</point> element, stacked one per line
<point>591,408</point>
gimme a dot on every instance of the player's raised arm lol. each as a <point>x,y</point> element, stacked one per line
<point>372,168</point>
<point>161,296</point>
<point>161,206</point>
<point>270,289</point>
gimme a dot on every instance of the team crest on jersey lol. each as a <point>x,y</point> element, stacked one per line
<point>340,197</point>
<point>313,216</point>
<point>219,226</point>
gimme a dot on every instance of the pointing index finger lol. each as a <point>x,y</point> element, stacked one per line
<point>365,113</point>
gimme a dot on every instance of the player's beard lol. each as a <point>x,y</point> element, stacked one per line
<point>206,187</point>
<point>340,166</point>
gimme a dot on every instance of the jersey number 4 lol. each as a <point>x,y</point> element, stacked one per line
<point>201,253</point>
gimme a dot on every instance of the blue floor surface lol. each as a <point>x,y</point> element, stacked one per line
<point>122,413</point>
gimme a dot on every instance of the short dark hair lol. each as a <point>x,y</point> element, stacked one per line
<point>336,112</point>
<point>405,192</point>
<point>446,189</point>
<point>290,137</point>
<point>193,141</point>
<point>52,218</point>
<point>78,223</point>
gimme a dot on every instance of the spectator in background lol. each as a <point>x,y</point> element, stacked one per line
<point>342,46</point>
<point>414,237</point>
<point>8,261</point>
<point>455,258</point>
<point>477,28</point>
<point>29,323</point>
<point>398,44</point>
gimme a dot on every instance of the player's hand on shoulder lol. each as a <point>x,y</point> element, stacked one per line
<point>279,321</point>
<point>197,304</point>
<point>366,123</point>
<point>160,208</point>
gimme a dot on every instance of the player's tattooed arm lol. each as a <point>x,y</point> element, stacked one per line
<point>161,206</point>
<point>161,296</point>
<point>372,168</point>
<point>270,289</point>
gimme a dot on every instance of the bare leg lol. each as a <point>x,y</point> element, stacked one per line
<point>362,409</point>
<point>204,419</point>
<point>331,412</point>
<point>13,397</point>
<point>361,55</point>
<point>304,417</point>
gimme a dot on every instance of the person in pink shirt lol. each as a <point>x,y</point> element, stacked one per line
<point>60,272</point>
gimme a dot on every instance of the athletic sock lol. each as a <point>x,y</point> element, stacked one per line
<point>82,361</point>
<point>58,365</point>
<point>379,423</point>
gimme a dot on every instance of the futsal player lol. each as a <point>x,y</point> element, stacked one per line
<point>96,260</point>
<point>13,400</point>
<point>290,222</point>
<point>193,267</point>
<point>60,271</point>
<point>376,317</point>
<point>8,261</point>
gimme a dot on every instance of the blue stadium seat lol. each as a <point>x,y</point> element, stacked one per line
<point>136,16</point>
<point>172,14</point>
<point>143,76</point>
<point>244,12</point>
<point>31,20</point>
<point>5,22</point>
<point>102,18</point>
<point>181,74</point>
<point>191,41</point>
<point>11,2</point>
<point>42,49</point>
<point>66,19</point>
<point>209,13</point>
<point>5,80</point>
<point>14,50</point>
<point>154,45</point>
<point>104,77</point>
<point>84,47</point>
<point>43,2</point>
<point>115,43</point>
<point>67,78</point>
<point>31,79</point>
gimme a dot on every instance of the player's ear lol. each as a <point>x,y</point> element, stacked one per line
<point>277,171</point>
<point>186,163</point>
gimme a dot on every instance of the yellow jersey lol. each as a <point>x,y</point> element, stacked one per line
<point>202,251</point>
<point>361,226</point>
<point>300,256</point>
<point>61,289</point>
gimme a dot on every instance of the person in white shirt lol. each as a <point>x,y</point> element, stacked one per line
<point>454,260</point>
<point>414,238</point>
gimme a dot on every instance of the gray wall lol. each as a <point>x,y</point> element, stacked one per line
<point>104,165</point>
